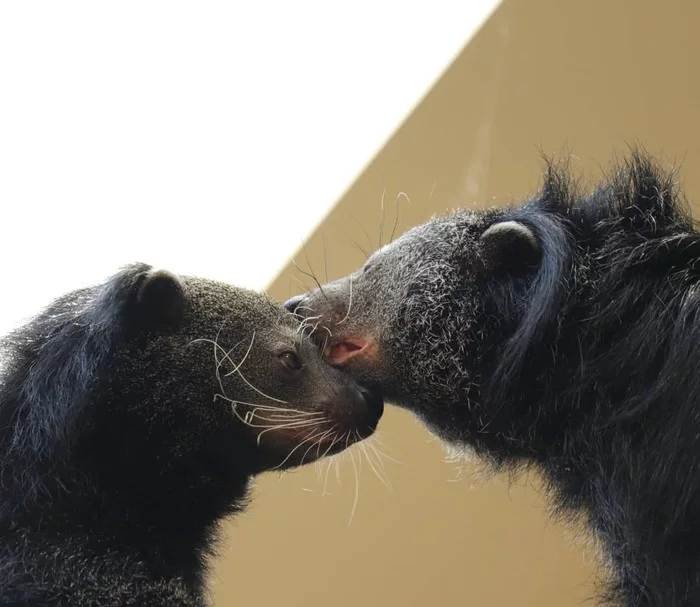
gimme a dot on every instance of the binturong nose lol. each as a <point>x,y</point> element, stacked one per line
<point>358,409</point>
<point>293,303</point>
<point>373,401</point>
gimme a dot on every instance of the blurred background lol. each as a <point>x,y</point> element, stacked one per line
<point>226,140</point>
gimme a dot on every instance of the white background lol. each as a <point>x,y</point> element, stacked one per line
<point>205,137</point>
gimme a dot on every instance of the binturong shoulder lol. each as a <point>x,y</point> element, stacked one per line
<point>562,332</point>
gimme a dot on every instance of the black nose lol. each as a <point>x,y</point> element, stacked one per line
<point>293,303</point>
<point>374,401</point>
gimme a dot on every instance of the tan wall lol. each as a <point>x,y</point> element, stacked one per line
<point>542,75</point>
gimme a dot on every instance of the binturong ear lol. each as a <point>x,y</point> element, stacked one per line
<point>161,297</point>
<point>509,246</point>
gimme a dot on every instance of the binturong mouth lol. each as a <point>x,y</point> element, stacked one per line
<point>340,349</point>
<point>340,353</point>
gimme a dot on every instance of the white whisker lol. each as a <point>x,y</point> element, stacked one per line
<point>381,476</point>
<point>296,425</point>
<point>336,464</point>
<point>347,315</point>
<point>328,469</point>
<point>245,357</point>
<point>316,444</point>
<point>375,441</point>
<point>357,488</point>
<point>381,455</point>
<point>269,408</point>
<point>272,398</point>
<point>284,461</point>
<point>335,440</point>
<point>306,308</point>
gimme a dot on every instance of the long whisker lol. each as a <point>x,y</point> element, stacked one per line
<point>381,220</point>
<point>382,455</point>
<point>236,367</point>
<point>325,256</point>
<point>382,478</point>
<point>328,469</point>
<point>271,408</point>
<point>310,309</point>
<point>318,284</point>
<point>226,354</point>
<point>337,468</point>
<point>284,461</point>
<point>274,421</point>
<point>216,358</point>
<point>279,417</point>
<point>335,440</point>
<point>369,240</point>
<point>377,441</point>
<point>306,322</point>
<point>248,421</point>
<point>297,425</point>
<point>396,221</point>
<point>277,400</point>
<point>313,329</point>
<point>308,263</point>
<point>347,315</point>
<point>336,460</point>
<point>245,357</point>
<point>357,488</point>
<point>315,444</point>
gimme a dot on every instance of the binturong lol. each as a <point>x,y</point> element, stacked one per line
<point>562,333</point>
<point>133,415</point>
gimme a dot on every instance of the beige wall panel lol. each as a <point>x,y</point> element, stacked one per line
<point>542,75</point>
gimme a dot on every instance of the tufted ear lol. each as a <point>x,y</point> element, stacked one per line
<point>509,246</point>
<point>161,297</point>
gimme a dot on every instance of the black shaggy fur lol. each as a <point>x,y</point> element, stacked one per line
<point>132,416</point>
<point>568,340</point>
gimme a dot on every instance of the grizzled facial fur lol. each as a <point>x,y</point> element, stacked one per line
<point>409,321</point>
<point>562,333</point>
<point>133,414</point>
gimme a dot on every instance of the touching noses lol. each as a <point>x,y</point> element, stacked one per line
<point>293,304</point>
<point>373,401</point>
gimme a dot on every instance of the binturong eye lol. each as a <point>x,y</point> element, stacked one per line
<point>290,360</point>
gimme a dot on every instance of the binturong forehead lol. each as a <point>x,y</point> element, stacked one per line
<point>210,301</point>
<point>435,238</point>
<point>404,251</point>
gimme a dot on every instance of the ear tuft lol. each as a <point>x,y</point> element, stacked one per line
<point>509,245</point>
<point>161,296</point>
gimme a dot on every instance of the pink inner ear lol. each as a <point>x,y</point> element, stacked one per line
<point>340,354</point>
